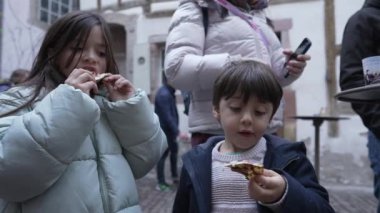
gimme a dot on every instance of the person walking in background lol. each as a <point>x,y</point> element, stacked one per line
<point>204,36</point>
<point>166,108</point>
<point>5,85</point>
<point>18,76</point>
<point>69,143</point>
<point>245,98</point>
<point>361,40</point>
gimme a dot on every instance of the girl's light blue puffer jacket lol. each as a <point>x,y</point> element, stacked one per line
<point>71,153</point>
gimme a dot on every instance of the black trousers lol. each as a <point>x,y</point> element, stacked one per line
<point>172,150</point>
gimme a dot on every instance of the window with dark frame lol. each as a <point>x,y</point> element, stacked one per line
<point>51,10</point>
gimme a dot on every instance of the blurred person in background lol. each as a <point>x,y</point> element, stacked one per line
<point>18,76</point>
<point>166,109</point>
<point>361,40</point>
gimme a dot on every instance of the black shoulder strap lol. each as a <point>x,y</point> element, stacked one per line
<point>205,18</point>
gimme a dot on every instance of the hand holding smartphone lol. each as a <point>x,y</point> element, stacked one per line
<point>301,50</point>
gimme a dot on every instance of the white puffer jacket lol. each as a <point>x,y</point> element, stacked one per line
<point>71,153</point>
<point>193,60</point>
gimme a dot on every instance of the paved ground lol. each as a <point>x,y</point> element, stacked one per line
<point>349,186</point>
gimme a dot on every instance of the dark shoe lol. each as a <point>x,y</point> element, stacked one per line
<point>175,180</point>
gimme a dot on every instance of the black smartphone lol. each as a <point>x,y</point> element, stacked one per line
<point>301,49</point>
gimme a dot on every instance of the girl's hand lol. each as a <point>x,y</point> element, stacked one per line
<point>118,87</point>
<point>82,79</point>
<point>268,187</point>
<point>296,66</point>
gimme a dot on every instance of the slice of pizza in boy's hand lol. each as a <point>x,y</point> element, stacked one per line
<point>246,168</point>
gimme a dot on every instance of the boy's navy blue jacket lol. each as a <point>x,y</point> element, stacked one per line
<point>166,109</point>
<point>286,158</point>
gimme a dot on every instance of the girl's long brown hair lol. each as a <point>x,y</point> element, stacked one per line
<point>75,26</point>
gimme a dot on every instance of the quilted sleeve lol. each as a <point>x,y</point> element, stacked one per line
<point>138,130</point>
<point>37,146</point>
<point>186,66</point>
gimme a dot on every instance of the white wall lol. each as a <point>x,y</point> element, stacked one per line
<point>147,27</point>
<point>20,40</point>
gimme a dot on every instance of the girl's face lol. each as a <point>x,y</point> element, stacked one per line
<point>243,124</point>
<point>93,53</point>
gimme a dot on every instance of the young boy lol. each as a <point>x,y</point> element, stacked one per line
<point>246,95</point>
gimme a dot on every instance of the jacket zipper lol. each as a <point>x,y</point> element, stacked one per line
<point>102,184</point>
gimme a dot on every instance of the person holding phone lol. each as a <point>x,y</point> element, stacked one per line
<point>195,55</point>
<point>301,50</point>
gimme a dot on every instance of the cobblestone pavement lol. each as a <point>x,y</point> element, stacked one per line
<point>352,199</point>
<point>344,197</point>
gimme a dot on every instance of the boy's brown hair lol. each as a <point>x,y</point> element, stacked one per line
<point>250,78</point>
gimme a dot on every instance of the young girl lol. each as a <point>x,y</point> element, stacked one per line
<point>68,144</point>
<point>195,56</point>
<point>245,97</point>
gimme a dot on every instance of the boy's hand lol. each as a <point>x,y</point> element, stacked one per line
<point>82,79</point>
<point>118,87</point>
<point>268,187</point>
<point>296,66</point>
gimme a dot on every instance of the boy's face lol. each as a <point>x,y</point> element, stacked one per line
<point>93,53</point>
<point>243,124</point>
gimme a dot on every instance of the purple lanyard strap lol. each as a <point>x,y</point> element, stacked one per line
<point>230,7</point>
